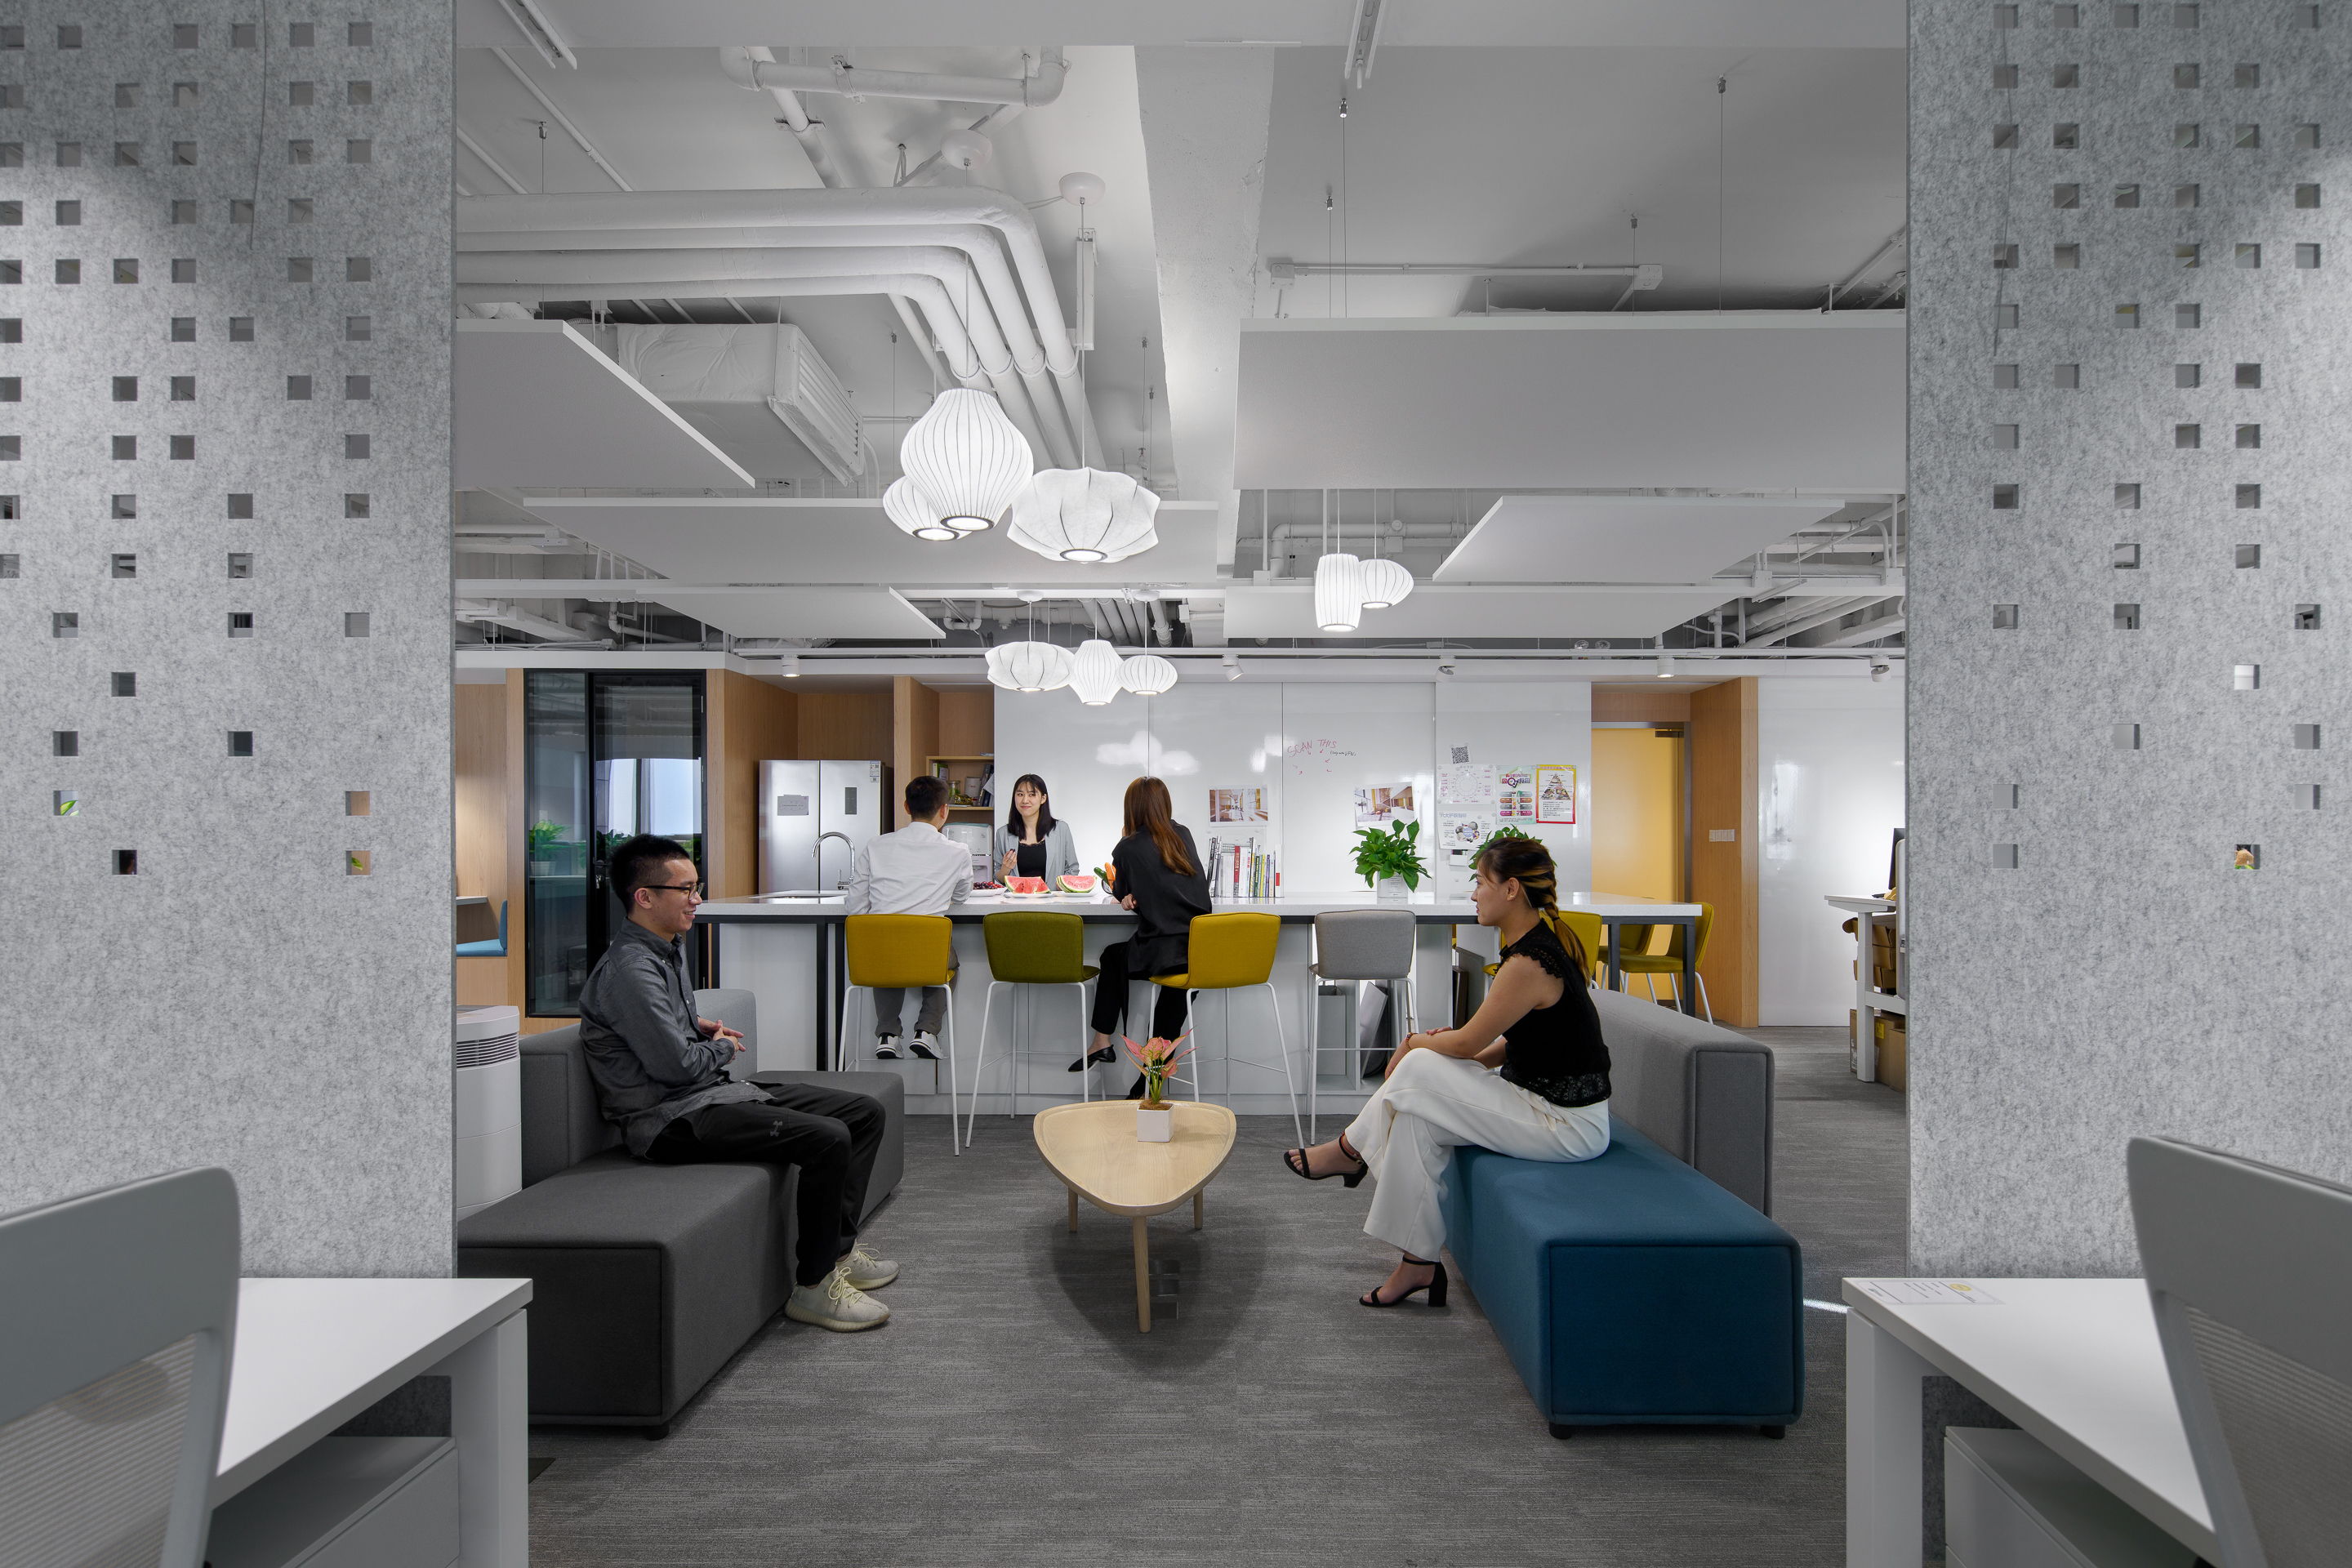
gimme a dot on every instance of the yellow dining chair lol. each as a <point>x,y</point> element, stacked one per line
<point>1032,947</point>
<point>1649,965</point>
<point>900,952</point>
<point>1231,952</point>
<point>1593,937</point>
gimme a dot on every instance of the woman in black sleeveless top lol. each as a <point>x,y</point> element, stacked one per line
<point>1526,1076</point>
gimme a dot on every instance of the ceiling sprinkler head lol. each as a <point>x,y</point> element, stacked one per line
<point>966,149</point>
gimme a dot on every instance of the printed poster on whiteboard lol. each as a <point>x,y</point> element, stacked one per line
<point>1515,794</point>
<point>1555,793</point>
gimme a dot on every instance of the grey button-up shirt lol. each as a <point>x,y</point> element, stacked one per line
<point>636,1026</point>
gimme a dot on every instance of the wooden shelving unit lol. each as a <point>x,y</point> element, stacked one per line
<point>964,767</point>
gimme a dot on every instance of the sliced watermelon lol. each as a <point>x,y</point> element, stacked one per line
<point>1078,884</point>
<point>1025,885</point>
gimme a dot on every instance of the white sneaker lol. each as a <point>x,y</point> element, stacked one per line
<point>886,1049</point>
<point>865,1271</point>
<point>835,1303</point>
<point>926,1045</point>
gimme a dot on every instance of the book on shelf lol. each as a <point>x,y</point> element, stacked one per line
<point>1243,869</point>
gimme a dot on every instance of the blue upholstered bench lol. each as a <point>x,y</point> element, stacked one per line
<point>1647,1286</point>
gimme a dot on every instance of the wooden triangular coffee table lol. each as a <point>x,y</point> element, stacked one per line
<point>1094,1150</point>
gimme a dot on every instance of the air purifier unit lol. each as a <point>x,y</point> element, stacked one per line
<point>489,1099</point>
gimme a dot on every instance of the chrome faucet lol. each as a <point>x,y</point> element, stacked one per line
<point>845,843</point>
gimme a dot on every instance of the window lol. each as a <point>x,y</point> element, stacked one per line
<point>126,270</point>
<point>355,446</point>
<point>297,152</point>
<point>126,448</point>
<point>184,329</point>
<point>2066,376</point>
<point>2248,376</point>
<point>2246,76</point>
<point>2246,555</point>
<point>2127,500</point>
<point>359,150</point>
<point>183,449</point>
<point>2249,498</point>
<point>240,566</point>
<point>240,505</point>
<point>2005,437</point>
<point>2004,498</point>
<point>68,271</point>
<point>2184,76</point>
<point>2188,375</point>
<point>2126,617</point>
<point>2250,436</point>
<point>2127,315</point>
<point>126,389</point>
<point>2004,138</point>
<point>298,269</point>
<point>2004,77</point>
<point>2066,258</point>
<point>2066,135</point>
<point>240,328</point>
<point>2306,137</point>
<point>2185,135</point>
<point>358,329</point>
<point>2066,76</point>
<point>2184,195</point>
<point>2065,197</point>
<point>2306,255</point>
<point>2004,258</point>
<point>183,269</point>
<point>356,389</point>
<point>240,622</point>
<point>2187,437</point>
<point>298,388</point>
<point>2188,316</point>
<point>359,92</point>
<point>2004,617</point>
<point>2126,195</point>
<point>301,94</point>
<point>2246,136</point>
<point>2187,256</point>
<point>2004,377</point>
<point>240,742</point>
<point>2249,256</point>
<point>2123,557</point>
<point>126,683</point>
<point>2306,196</point>
<point>358,269</point>
<point>122,566</point>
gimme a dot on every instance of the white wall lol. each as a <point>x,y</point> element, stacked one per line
<point>1309,745</point>
<point>1829,800</point>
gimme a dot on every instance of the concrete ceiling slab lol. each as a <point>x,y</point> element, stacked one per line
<point>1621,539</point>
<point>762,539</point>
<point>1796,402</point>
<point>809,613</point>
<point>534,404</point>
<point>1435,612</point>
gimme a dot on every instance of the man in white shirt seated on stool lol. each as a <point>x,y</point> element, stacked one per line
<point>914,872</point>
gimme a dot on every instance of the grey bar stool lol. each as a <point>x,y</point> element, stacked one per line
<point>1354,945</point>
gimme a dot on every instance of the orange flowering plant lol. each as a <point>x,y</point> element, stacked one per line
<point>1155,1059</point>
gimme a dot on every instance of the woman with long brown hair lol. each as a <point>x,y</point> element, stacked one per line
<point>1157,873</point>
<point>1528,1076</point>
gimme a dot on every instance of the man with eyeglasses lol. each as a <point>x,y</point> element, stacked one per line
<point>661,1074</point>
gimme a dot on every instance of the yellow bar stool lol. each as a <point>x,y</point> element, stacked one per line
<point>1593,936</point>
<point>1649,965</point>
<point>1232,953</point>
<point>1031,947</point>
<point>900,952</point>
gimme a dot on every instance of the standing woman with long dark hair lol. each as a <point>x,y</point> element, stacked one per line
<point>1032,842</point>
<point>1159,875</point>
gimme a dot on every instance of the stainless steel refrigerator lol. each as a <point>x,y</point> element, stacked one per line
<point>814,818</point>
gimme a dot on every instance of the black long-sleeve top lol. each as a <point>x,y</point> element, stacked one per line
<point>1165,902</point>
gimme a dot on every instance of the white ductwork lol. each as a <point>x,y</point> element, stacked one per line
<point>998,328</point>
<point>746,69</point>
<point>927,293</point>
<point>912,213</point>
<point>1838,610</point>
<point>506,616</point>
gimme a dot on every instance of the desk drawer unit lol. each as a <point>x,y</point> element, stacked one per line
<point>2010,1502</point>
<point>346,1502</point>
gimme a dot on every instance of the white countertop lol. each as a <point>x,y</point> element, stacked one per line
<point>1426,907</point>
<point>2076,1363</point>
<point>312,1354</point>
<point>1855,904</point>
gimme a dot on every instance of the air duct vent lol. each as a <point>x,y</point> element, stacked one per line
<point>738,384</point>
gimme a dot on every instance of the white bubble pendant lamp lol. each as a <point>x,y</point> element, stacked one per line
<point>967,457</point>
<point>1338,593</point>
<point>905,504</point>
<point>1147,675</point>
<point>1029,666</point>
<point>1381,584</point>
<point>1084,515</point>
<point>1094,672</point>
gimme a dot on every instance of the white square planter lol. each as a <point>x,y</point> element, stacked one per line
<point>1155,1126</point>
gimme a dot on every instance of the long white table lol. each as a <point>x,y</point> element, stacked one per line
<point>786,950</point>
<point>2074,1362</point>
<point>312,1354</point>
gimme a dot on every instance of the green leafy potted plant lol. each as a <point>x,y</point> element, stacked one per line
<point>1390,862</point>
<point>544,838</point>
<point>1505,831</point>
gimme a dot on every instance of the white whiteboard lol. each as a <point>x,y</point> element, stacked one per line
<point>1309,746</point>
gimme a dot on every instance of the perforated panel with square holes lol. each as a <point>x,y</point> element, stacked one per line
<point>2089,993</point>
<point>195,842</point>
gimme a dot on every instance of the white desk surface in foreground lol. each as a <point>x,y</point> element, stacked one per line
<point>2075,1363</point>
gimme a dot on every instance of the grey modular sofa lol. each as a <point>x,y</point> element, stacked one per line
<point>645,1279</point>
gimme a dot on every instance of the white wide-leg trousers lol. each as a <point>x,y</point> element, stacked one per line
<point>1407,1130</point>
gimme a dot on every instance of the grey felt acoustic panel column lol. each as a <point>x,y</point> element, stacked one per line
<point>2129,324</point>
<point>223,572</point>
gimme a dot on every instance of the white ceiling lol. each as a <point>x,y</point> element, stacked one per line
<point>533,403</point>
<point>808,613</point>
<point>1777,402</point>
<point>1620,539</point>
<point>1436,611</point>
<point>761,539</point>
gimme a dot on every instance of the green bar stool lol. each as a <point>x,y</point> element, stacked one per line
<point>1031,947</point>
<point>1231,952</point>
<point>1649,965</point>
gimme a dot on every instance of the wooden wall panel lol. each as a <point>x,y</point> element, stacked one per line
<point>749,721</point>
<point>485,773</point>
<point>968,723</point>
<point>845,726</point>
<point>1724,761</point>
<point>913,736</point>
<point>1665,706</point>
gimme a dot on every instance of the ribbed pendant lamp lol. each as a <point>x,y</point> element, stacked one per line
<point>1084,515</point>
<point>1094,672</point>
<point>1382,583</point>
<point>905,504</point>
<point>1029,666</point>
<point>967,457</point>
<point>1147,675</point>
<point>1338,593</point>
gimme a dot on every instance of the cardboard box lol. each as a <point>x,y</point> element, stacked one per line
<point>1894,1052</point>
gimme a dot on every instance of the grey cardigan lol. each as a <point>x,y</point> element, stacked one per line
<point>1061,852</point>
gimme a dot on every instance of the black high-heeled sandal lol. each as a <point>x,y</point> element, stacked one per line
<point>1100,1058</point>
<point>1436,1287</point>
<point>1298,1166</point>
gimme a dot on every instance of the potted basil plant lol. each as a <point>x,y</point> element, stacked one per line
<point>1390,862</point>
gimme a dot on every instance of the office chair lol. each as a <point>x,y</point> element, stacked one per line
<point>2248,1269</point>
<point>121,1307</point>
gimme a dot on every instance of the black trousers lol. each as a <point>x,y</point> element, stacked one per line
<point>832,1134</point>
<point>1110,998</point>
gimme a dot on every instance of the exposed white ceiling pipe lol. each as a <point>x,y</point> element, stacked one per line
<point>958,255</point>
<point>924,173</point>
<point>839,76</point>
<point>1858,274</point>
<point>898,206</point>
<point>1782,618</point>
<point>506,616</point>
<point>1869,631</point>
<point>677,274</point>
<point>1838,610</point>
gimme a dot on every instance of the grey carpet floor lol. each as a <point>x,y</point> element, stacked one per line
<point>1010,1413</point>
